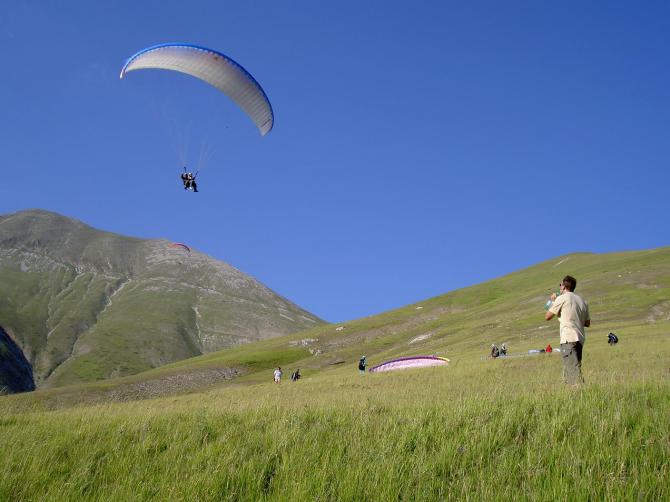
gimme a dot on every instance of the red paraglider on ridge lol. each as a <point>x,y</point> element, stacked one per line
<point>180,245</point>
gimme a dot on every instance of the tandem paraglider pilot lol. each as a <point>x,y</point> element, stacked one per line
<point>188,179</point>
<point>573,315</point>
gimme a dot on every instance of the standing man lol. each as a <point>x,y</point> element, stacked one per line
<point>362,362</point>
<point>573,315</point>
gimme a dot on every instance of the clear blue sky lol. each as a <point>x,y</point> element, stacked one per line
<point>418,147</point>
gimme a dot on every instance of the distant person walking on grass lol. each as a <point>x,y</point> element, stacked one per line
<point>573,315</point>
<point>278,374</point>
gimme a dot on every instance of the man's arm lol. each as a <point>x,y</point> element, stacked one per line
<point>555,308</point>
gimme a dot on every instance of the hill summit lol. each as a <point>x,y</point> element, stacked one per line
<point>84,304</point>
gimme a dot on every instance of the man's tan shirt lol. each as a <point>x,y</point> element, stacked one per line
<point>573,313</point>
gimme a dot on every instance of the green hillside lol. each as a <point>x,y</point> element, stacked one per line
<point>628,293</point>
<point>477,429</point>
<point>85,305</point>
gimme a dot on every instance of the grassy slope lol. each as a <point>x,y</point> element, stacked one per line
<point>477,429</point>
<point>626,291</point>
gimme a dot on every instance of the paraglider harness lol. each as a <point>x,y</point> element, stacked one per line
<point>612,339</point>
<point>189,180</point>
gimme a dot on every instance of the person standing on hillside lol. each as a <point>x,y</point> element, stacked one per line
<point>362,362</point>
<point>278,374</point>
<point>573,315</point>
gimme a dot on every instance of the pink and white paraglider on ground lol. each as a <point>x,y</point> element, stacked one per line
<point>410,362</point>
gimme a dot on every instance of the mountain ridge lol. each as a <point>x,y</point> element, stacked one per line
<point>87,304</point>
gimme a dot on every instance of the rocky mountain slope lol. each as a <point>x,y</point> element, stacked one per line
<point>86,305</point>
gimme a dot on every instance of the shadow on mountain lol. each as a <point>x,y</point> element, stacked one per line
<point>16,373</point>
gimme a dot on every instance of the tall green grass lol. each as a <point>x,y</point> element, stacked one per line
<point>478,429</point>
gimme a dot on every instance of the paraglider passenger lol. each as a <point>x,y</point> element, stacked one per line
<point>361,365</point>
<point>194,186</point>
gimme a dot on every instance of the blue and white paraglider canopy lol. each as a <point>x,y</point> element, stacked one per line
<point>213,67</point>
